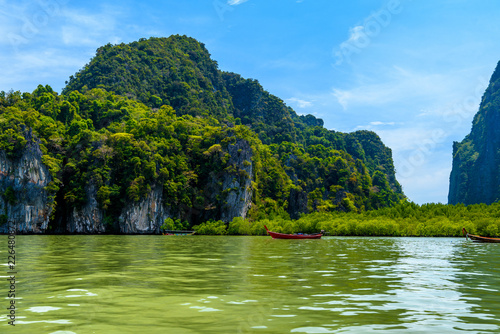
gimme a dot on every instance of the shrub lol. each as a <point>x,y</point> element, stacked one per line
<point>211,227</point>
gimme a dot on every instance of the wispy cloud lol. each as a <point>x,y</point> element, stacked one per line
<point>399,84</point>
<point>409,137</point>
<point>236,2</point>
<point>376,123</point>
<point>27,23</point>
<point>39,66</point>
<point>355,34</point>
<point>90,29</point>
<point>374,126</point>
<point>299,103</point>
<point>428,184</point>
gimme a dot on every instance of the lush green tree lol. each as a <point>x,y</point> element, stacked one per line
<point>159,114</point>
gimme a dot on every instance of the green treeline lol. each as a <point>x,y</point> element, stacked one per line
<point>123,148</point>
<point>404,219</point>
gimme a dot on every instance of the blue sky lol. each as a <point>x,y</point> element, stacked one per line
<point>412,71</point>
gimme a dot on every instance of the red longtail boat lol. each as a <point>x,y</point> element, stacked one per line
<point>478,238</point>
<point>277,235</point>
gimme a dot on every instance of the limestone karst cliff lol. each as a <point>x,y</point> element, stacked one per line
<point>153,130</point>
<point>23,181</point>
<point>475,175</point>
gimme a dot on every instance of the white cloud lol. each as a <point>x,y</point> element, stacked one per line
<point>412,137</point>
<point>355,34</point>
<point>39,66</point>
<point>373,126</point>
<point>358,40</point>
<point>236,2</point>
<point>40,54</point>
<point>26,23</point>
<point>300,103</point>
<point>381,123</point>
<point>89,29</point>
<point>72,35</point>
<point>343,97</point>
<point>422,157</point>
<point>427,184</point>
<point>397,85</point>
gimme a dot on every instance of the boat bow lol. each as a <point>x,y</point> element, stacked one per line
<point>276,235</point>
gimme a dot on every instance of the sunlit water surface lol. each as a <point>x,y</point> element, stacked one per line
<point>196,284</point>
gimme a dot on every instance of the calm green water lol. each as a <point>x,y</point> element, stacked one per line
<point>195,284</point>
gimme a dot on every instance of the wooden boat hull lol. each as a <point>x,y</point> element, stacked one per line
<point>276,235</point>
<point>478,238</point>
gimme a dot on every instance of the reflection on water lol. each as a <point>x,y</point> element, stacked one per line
<point>195,284</point>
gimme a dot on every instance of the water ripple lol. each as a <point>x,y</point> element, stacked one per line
<point>120,284</point>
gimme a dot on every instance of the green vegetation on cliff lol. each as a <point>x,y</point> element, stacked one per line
<point>158,114</point>
<point>475,177</point>
<point>175,71</point>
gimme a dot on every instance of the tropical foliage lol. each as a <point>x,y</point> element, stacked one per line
<point>405,219</point>
<point>158,114</point>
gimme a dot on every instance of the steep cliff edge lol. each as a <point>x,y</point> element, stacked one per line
<point>475,175</point>
<point>237,182</point>
<point>145,216</point>
<point>24,200</point>
<point>87,219</point>
<point>367,146</point>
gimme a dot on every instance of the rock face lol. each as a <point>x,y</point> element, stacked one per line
<point>142,217</point>
<point>367,146</point>
<point>145,216</point>
<point>475,175</point>
<point>237,182</point>
<point>232,191</point>
<point>89,218</point>
<point>298,203</point>
<point>24,199</point>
